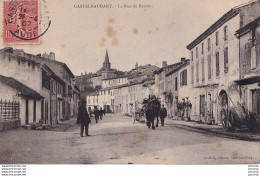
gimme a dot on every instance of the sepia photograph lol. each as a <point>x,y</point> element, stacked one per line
<point>119,82</point>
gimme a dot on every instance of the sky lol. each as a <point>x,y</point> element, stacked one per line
<point>80,36</point>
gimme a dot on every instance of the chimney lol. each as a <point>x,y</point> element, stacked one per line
<point>52,56</point>
<point>85,73</point>
<point>164,64</point>
<point>18,52</point>
<point>9,49</point>
<point>183,59</point>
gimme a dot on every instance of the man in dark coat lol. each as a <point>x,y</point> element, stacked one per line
<point>100,113</point>
<point>83,119</point>
<point>96,113</point>
<point>163,114</point>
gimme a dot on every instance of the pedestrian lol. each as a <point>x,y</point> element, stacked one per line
<point>183,105</point>
<point>100,113</point>
<point>104,112</point>
<point>89,111</point>
<point>96,113</point>
<point>83,119</point>
<point>163,114</point>
<point>188,109</point>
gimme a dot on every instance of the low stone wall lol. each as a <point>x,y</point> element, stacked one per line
<point>9,124</point>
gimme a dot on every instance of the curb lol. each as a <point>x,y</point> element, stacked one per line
<point>239,136</point>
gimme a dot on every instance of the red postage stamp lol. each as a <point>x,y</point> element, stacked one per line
<point>21,22</point>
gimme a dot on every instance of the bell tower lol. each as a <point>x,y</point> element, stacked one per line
<point>106,63</point>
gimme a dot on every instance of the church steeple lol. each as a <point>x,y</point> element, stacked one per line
<point>106,63</point>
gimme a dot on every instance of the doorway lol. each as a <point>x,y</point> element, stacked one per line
<point>256,102</point>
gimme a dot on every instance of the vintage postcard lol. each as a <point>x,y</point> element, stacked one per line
<point>130,82</point>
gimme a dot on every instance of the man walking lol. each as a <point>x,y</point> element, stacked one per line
<point>163,114</point>
<point>100,113</point>
<point>83,119</point>
<point>96,113</point>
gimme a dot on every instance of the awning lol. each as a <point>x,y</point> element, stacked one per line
<point>249,80</point>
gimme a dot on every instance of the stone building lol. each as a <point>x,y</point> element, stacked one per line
<point>163,86</point>
<point>215,63</point>
<point>64,73</point>
<point>177,86</point>
<point>249,66</point>
<point>92,100</point>
<point>37,76</point>
<point>18,101</point>
<point>89,82</point>
<point>127,96</point>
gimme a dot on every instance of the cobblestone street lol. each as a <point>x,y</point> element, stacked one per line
<point>116,139</point>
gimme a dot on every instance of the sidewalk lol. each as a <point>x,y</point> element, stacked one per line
<point>214,129</point>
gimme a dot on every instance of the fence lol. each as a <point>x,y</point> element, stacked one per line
<point>9,110</point>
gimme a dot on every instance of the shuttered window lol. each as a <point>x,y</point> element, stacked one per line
<point>217,41</point>
<point>192,74</point>
<point>217,63</point>
<point>225,33</point>
<point>202,70</point>
<point>183,77</point>
<point>176,83</point>
<point>209,67</point>
<point>197,71</point>
<point>226,60</point>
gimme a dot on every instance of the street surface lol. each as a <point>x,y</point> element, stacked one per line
<point>117,140</point>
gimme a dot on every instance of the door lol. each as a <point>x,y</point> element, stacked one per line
<point>27,111</point>
<point>42,109</point>
<point>256,102</point>
<point>202,105</point>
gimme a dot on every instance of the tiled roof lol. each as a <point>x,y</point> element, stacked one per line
<point>20,87</point>
<point>179,66</point>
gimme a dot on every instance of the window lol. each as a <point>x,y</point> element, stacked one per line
<point>209,67</point>
<point>202,48</point>
<point>45,80</point>
<point>183,78</point>
<point>217,64</point>
<point>202,70</point>
<point>176,83</point>
<point>192,74</point>
<point>225,33</point>
<point>197,71</point>
<point>197,52</point>
<point>226,60</point>
<point>250,53</point>
<point>217,38</point>
<point>191,55</point>
<point>208,44</point>
<point>253,36</point>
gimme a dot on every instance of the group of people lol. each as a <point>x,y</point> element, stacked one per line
<point>153,110</point>
<point>84,117</point>
<point>184,108</point>
<point>99,114</point>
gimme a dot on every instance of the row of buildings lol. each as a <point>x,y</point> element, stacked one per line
<point>223,71</point>
<point>36,87</point>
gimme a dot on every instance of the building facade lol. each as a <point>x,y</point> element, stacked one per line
<point>35,72</point>
<point>249,81</point>
<point>215,64</point>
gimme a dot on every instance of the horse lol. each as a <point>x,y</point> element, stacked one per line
<point>152,110</point>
